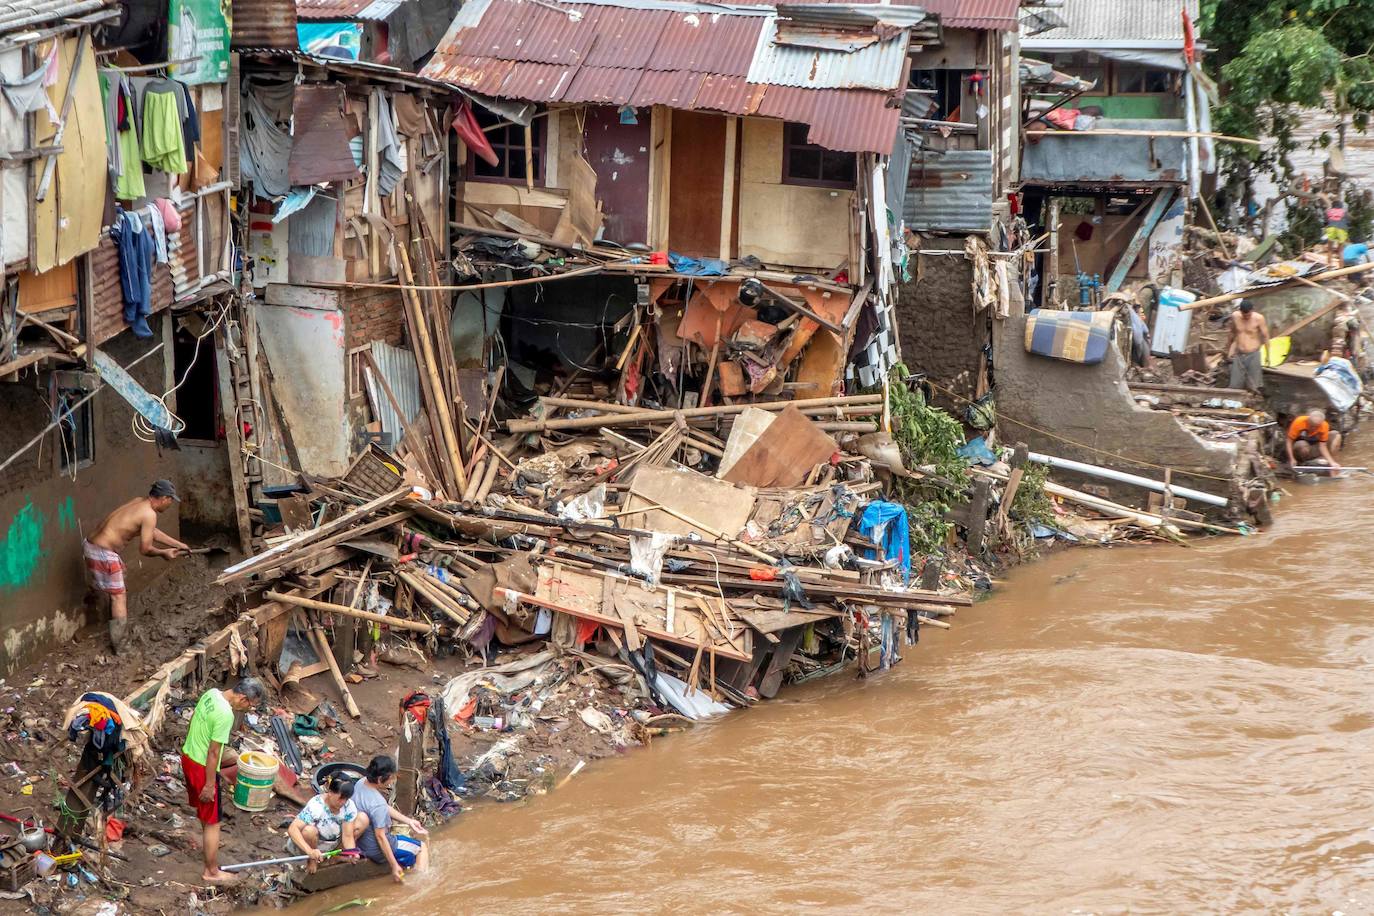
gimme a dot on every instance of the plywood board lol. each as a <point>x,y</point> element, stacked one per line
<point>785,454</point>
<point>305,353</point>
<point>716,504</point>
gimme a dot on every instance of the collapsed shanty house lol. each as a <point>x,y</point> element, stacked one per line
<point>746,146</point>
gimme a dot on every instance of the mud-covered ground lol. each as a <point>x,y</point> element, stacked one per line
<point>161,844</point>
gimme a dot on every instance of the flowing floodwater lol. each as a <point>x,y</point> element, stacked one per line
<point>1134,729</point>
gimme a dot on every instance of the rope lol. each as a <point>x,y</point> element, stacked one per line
<point>1083,445</point>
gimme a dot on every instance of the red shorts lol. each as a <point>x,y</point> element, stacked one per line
<point>207,812</point>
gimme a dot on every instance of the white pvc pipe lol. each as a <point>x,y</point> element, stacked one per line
<point>1157,486</point>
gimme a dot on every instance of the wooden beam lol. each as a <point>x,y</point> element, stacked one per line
<point>1158,206</point>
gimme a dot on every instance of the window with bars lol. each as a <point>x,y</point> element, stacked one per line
<point>808,164</point>
<point>508,142</point>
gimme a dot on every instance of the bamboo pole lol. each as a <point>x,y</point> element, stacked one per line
<point>448,433</point>
<point>488,479</point>
<point>394,622</point>
<point>1124,132</point>
<point>534,426</point>
<point>325,653</point>
<point>1286,284</point>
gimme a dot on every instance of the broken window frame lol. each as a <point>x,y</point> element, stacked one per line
<point>503,140</point>
<point>76,433</point>
<point>1123,72</point>
<point>791,146</point>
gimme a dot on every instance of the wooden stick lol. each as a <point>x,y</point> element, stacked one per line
<point>488,479</point>
<point>1123,132</point>
<point>1276,287</point>
<point>447,432</point>
<point>534,426</point>
<point>327,655</point>
<point>489,444</point>
<point>715,533</point>
<point>281,552</point>
<point>398,623</point>
<point>479,471</point>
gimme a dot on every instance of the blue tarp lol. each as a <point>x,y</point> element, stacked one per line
<point>697,267</point>
<point>895,536</point>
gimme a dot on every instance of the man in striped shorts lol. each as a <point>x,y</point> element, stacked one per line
<point>136,518</point>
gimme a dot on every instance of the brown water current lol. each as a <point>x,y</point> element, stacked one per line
<point>1133,729</point>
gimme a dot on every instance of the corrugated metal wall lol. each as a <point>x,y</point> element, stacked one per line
<point>950,191</point>
<point>264,24</point>
<point>109,301</point>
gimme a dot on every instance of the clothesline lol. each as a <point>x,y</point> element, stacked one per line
<point>147,68</point>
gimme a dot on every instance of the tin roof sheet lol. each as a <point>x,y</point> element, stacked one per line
<point>881,65</point>
<point>716,57</point>
<point>950,192</point>
<point>329,10</point>
<point>1120,21</point>
<point>989,15</point>
<point>24,14</point>
<point>264,24</point>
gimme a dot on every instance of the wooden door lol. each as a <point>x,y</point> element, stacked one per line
<point>619,154</point>
<point>696,176</point>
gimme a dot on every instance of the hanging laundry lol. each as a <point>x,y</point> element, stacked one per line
<point>264,148</point>
<point>190,122</point>
<point>121,135</point>
<point>159,230</point>
<point>30,91</point>
<point>163,145</point>
<point>110,85</point>
<point>388,145</point>
<point>471,133</point>
<point>135,248</point>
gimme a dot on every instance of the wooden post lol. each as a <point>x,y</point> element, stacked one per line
<point>978,515</point>
<point>410,761</point>
<point>1018,468</point>
<point>447,432</point>
<point>326,654</point>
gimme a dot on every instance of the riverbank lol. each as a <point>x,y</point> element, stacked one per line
<point>1161,730</point>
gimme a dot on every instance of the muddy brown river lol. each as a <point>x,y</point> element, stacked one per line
<point>1144,730</point>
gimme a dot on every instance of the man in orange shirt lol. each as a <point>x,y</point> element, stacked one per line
<point>1310,437</point>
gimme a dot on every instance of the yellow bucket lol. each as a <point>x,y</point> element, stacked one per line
<point>257,772</point>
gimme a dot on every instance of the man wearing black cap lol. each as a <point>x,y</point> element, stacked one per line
<point>136,518</point>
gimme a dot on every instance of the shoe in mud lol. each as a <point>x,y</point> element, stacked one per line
<point>119,632</point>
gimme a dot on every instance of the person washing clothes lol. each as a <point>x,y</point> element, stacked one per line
<point>1310,437</point>
<point>375,817</point>
<point>327,822</point>
<point>201,753</point>
<point>136,518</point>
<point>1249,333</point>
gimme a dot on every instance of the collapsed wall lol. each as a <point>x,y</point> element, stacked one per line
<point>1050,405</point>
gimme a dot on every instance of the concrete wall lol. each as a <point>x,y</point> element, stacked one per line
<point>781,223</point>
<point>1091,405</point>
<point>941,336</point>
<point>45,515</point>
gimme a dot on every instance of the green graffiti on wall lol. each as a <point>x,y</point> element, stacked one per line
<point>66,514</point>
<point>22,548</point>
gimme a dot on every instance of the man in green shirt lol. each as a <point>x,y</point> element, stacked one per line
<point>209,730</point>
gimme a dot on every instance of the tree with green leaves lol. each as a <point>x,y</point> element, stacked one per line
<point>1273,59</point>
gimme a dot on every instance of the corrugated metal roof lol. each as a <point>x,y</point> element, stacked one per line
<point>398,367</point>
<point>682,55</point>
<point>881,65</point>
<point>949,192</point>
<point>333,10</point>
<point>1120,21</point>
<point>990,15</point>
<point>358,68</point>
<point>24,14</point>
<point>264,24</point>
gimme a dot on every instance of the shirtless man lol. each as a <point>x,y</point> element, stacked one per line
<point>135,519</point>
<point>1249,334</point>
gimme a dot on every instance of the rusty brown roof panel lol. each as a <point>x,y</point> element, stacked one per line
<point>627,38</point>
<point>512,30</point>
<point>708,43</point>
<point>536,82</point>
<point>850,120</point>
<point>484,75</point>
<point>603,85</point>
<point>264,24</point>
<point>730,94</point>
<point>674,88</point>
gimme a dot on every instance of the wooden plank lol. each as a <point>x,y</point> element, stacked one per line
<point>304,297</point>
<point>784,453</point>
<point>281,552</point>
<point>233,441</point>
<point>978,516</point>
<point>1163,198</point>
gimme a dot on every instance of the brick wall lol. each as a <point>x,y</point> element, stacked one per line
<point>373,314</point>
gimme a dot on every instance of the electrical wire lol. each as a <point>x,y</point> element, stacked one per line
<point>145,431</point>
